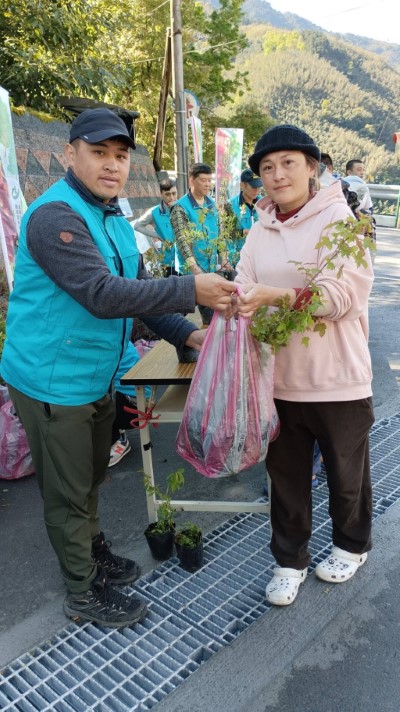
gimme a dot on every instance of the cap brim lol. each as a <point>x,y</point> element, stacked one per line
<point>257,183</point>
<point>99,136</point>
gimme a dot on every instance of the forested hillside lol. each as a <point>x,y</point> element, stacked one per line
<point>346,97</point>
<point>261,12</point>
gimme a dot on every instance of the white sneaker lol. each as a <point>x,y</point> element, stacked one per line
<point>340,566</point>
<point>284,586</point>
<point>119,450</point>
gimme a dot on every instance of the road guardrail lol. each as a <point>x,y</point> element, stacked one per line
<point>386,192</point>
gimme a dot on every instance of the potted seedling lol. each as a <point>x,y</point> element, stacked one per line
<point>160,535</point>
<point>189,546</point>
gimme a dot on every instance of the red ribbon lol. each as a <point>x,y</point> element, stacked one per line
<point>142,418</point>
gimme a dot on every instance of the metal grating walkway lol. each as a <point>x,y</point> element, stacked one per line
<point>191,616</point>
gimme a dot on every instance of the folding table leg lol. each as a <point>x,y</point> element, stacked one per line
<point>147,459</point>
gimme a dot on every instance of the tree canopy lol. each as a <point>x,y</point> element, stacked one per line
<point>113,51</point>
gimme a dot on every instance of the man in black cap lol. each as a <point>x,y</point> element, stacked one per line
<point>79,280</point>
<point>243,207</point>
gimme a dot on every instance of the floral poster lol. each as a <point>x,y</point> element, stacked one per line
<point>228,163</point>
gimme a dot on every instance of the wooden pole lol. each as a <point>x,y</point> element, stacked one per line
<point>162,105</point>
<point>181,140</point>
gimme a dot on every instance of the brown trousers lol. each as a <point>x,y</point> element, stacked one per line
<point>342,431</point>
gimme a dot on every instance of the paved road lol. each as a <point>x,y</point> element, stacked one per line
<point>317,656</point>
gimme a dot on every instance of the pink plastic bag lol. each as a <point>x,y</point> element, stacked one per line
<point>143,347</point>
<point>4,395</point>
<point>230,416</point>
<point>15,456</point>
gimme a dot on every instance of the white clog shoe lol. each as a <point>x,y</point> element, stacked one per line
<point>340,566</point>
<point>284,586</point>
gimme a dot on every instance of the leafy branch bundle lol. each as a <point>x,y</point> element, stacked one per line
<point>223,245</point>
<point>349,239</point>
<point>155,256</point>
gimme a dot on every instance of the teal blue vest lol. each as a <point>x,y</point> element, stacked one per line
<point>204,223</point>
<point>55,350</point>
<point>245,219</point>
<point>164,230</point>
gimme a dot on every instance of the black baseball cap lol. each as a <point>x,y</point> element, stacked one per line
<point>96,125</point>
<point>248,176</point>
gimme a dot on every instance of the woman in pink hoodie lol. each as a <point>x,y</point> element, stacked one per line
<point>322,391</point>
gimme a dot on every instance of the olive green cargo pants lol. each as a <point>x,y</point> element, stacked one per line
<point>70,448</point>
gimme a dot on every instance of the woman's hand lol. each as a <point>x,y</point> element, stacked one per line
<point>256,295</point>
<point>252,297</point>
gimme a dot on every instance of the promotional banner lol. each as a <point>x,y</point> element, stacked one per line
<point>12,202</point>
<point>8,232</point>
<point>197,135</point>
<point>192,104</point>
<point>396,139</point>
<point>228,163</point>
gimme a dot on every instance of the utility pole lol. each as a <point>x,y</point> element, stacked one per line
<point>162,106</point>
<point>181,133</point>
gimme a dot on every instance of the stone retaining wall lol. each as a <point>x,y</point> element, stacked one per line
<point>40,156</point>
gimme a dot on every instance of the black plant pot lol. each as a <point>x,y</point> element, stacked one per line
<point>191,558</point>
<point>161,545</point>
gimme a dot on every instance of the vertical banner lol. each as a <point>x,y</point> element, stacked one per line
<point>228,163</point>
<point>12,202</point>
<point>197,135</point>
<point>8,232</point>
<point>396,140</point>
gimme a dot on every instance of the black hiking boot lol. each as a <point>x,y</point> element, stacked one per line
<point>105,605</point>
<point>117,569</point>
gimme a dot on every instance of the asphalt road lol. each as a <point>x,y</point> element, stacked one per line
<point>326,653</point>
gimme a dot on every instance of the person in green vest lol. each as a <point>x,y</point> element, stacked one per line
<point>155,224</point>
<point>194,219</point>
<point>243,207</point>
<point>79,280</point>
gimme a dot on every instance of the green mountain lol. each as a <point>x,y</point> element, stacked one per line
<point>260,12</point>
<point>345,97</point>
<point>342,89</point>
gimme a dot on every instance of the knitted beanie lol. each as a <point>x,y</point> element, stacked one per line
<point>285,137</point>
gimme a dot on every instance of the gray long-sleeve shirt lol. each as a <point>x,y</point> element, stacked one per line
<point>145,225</point>
<point>77,267</point>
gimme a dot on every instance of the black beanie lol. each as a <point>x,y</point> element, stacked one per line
<point>285,137</point>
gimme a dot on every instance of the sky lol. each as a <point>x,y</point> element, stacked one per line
<point>377,19</point>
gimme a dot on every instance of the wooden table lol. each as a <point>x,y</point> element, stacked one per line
<point>160,367</point>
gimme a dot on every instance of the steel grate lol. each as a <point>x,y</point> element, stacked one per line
<point>191,616</point>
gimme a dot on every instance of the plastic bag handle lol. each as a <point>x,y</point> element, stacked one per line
<point>240,291</point>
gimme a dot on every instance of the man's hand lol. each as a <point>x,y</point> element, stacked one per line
<point>213,291</point>
<point>196,338</point>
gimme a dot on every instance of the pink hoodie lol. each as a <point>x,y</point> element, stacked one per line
<point>337,366</point>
